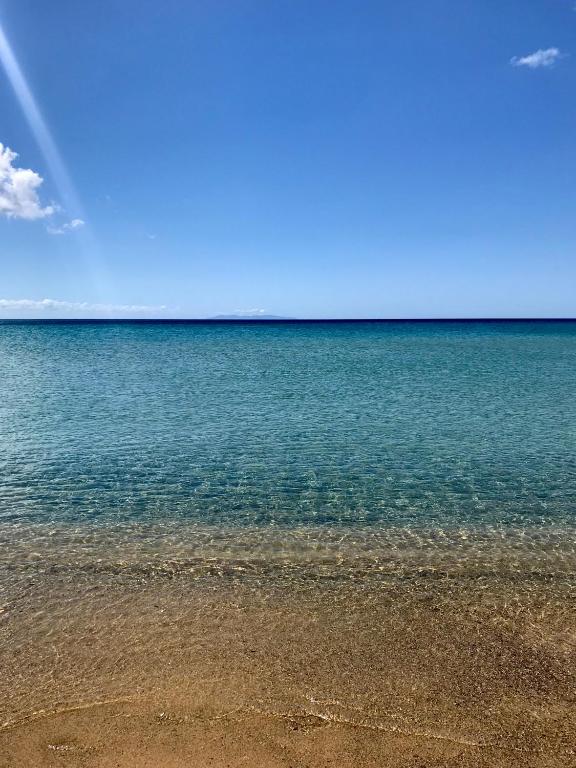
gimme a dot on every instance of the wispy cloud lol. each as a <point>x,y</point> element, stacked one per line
<point>544,57</point>
<point>69,226</point>
<point>19,190</point>
<point>72,307</point>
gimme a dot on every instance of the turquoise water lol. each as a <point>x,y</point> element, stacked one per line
<point>371,524</point>
<point>301,424</point>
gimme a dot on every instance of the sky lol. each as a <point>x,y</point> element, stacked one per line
<point>303,158</point>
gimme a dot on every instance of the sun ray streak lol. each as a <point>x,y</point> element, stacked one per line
<point>38,127</point>
<point>54,161</point>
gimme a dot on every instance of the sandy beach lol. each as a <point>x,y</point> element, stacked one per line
<point>410,659</point>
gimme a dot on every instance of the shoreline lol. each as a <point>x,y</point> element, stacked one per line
<point>333,660</point>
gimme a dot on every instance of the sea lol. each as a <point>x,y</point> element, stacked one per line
<point>367,524</point>
<point>287,424</point>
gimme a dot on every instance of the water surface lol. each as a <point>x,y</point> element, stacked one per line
<point>272,424</point>
<point>288,543</point>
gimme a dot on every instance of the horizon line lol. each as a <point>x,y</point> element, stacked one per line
<point>284,320</point>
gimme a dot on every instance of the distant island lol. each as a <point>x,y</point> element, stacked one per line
<point>249,317</point>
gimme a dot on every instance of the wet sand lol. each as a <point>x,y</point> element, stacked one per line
<point>413,658</point>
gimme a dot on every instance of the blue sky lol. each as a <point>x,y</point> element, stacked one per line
<point>303,157</point>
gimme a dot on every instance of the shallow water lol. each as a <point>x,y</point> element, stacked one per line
<point>366,525</point>
<point>445,646</point>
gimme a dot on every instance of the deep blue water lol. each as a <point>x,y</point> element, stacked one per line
<point>386,424</point>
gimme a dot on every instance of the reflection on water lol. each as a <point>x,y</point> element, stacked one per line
<point>178,546</point>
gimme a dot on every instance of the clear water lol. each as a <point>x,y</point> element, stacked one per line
<point>368,524</point>
<point>301,424</point>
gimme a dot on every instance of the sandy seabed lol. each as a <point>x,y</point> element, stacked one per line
<point>344,661</point>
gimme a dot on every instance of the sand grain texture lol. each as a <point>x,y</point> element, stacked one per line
<point>233,666</point>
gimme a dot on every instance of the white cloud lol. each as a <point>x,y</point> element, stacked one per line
<point>18,190</point>
<point>69,226</point>
<point>73,307</point>
<point>541,58</point>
